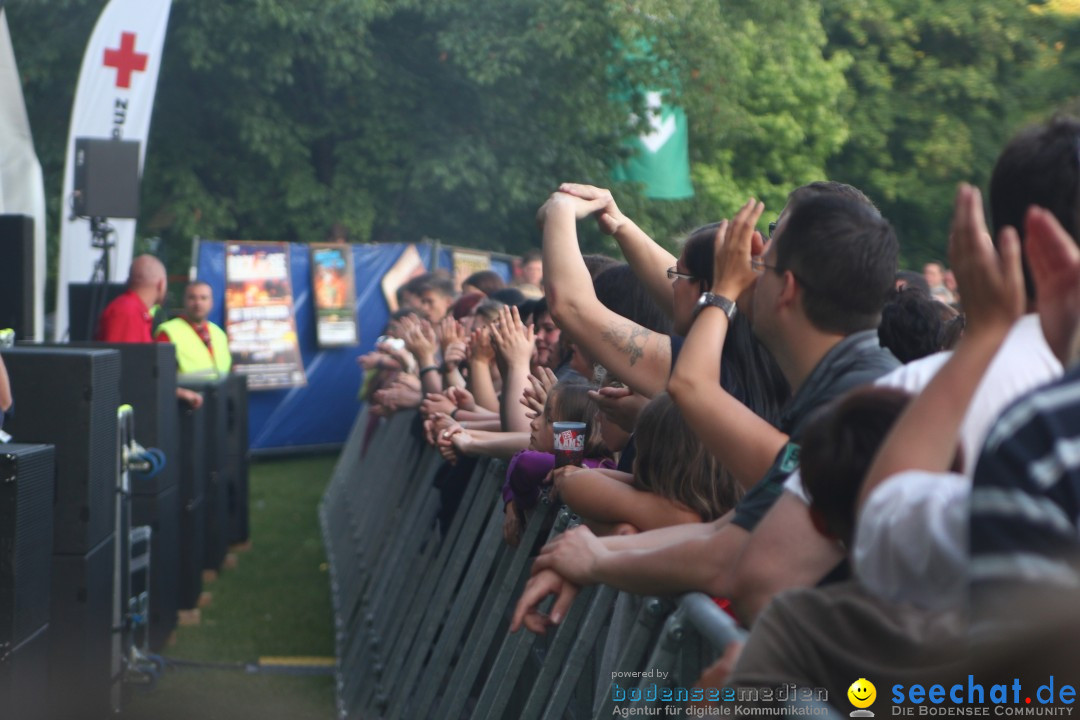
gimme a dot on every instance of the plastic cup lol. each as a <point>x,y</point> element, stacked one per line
<point>569,443</point>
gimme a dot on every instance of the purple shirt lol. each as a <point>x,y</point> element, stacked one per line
<point>526,474</point>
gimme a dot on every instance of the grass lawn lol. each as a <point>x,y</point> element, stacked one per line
<point>276,602</point>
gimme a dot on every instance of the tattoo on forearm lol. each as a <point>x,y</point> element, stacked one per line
<point>629,340</point>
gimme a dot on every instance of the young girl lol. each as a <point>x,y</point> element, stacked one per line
<point>568,401</point>
<point>675,479</point>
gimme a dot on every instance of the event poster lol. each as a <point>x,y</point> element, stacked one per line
<point>334,290</point>
<point>259,315</point>
<point>467,262</point>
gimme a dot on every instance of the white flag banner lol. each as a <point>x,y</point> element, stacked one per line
<point>22,187</point>
<point>114,99</point>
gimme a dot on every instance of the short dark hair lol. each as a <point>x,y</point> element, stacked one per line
<point>620,291</point>
<point>486,281</point>
<point>831,188</point>
<point>913,281</point>
<point>1040,166</point>
<point>436,281</point>
<point>532,256</point>
<point>838,446</point>
<point>843,254</point>
<point>508,296</point>
<point>911,325</point>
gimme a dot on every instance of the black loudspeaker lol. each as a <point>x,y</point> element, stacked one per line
<point>68,398</point>
<point>106,178</point>
<point>81,299</point>
<point>17,274</point>
<point>162,513</point>
<point>192,489</point>
<point>80,633</point>
<point>215,417</point>
<point>24,678</point>
<point>148,384</point>
<point>27,482</point>
<point>238,457</point>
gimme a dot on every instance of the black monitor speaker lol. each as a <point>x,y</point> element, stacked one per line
<point>216,498</point>
<point>162,513</point>
<point>27,481</point>
<point>81,299</point>
<point>24,678</point>
<point>238,456</point>
<point>106,178</point>
<point>80,633</point>
<point>68,398</point>
<point>17,274</point>
<point>192,487</point>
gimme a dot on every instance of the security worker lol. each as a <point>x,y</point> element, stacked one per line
<point>202,348</point>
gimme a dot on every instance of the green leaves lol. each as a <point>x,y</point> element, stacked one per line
<point>454,119</point>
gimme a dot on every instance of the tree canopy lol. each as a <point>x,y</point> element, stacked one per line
<point>454,119</point>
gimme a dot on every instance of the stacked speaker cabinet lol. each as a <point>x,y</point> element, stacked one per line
<point>69,398</point>
<point>237,457</point>
<point>148,384</point>
<point>27,480</point>
<point>192,499</point>
<point>216,503</point>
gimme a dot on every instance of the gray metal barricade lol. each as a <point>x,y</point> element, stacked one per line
<point>420,614</point>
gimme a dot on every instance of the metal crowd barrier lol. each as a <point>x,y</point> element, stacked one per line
<point>421,614</point>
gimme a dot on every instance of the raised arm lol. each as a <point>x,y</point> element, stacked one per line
<point>646,258</point>
<point>745,444</point>
<point>638,356</point>
<point>924,438</point>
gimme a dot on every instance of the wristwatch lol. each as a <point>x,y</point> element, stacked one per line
<point>708,298</point>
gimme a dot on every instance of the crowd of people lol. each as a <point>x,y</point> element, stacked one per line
<point>874,470</point>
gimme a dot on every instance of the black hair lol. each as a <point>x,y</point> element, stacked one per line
<point>597,264</point>
<point>532,256</point>
<point>752,373</point>
<point>698,254</point>
<point>838,445</point>
<point>1040,166</point>
<point>911,281</point>
<point>508,296</point>
<point>486,281</point>
<point>620,291</point>
<point>831,188</point>
<point>911,325</point>
<point>843,254</point>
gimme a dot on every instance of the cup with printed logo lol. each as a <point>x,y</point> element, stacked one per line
<point>569,443</point>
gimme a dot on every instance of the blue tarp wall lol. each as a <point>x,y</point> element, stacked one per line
<point>322,412</point>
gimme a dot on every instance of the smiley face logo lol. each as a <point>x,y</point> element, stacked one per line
<point>862,694</point>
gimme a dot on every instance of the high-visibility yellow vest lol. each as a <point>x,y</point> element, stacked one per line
<point>192,355</point>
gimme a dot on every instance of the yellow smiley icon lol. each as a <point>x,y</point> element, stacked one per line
<point>862,693</point>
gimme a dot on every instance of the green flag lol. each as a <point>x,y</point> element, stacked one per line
<point>662,156</point>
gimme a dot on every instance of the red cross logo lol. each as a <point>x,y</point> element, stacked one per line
<point>125,60</point>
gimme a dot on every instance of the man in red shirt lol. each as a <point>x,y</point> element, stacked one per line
<point>128,318</point>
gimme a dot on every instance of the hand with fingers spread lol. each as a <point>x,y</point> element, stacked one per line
<point>992,285</point>
<point>530,398</point>
<point>514,340</point>
<point>481,350</point>
<point>420,340</point>
<point>455,354</point>
<point>449,331</point>
<point>608,217</point>
<point>540,585</point>
<point>1054,260</point>
<point>736,242</point>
